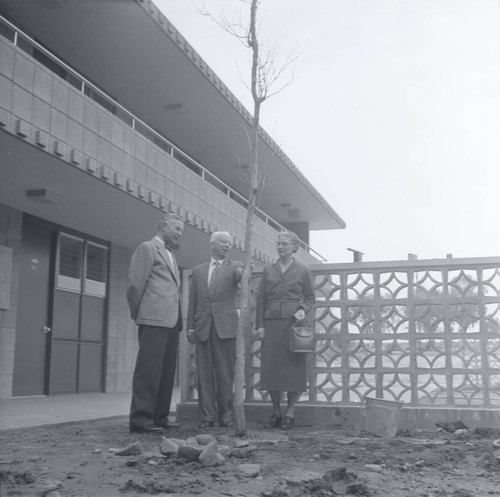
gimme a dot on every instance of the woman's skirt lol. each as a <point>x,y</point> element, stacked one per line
<point>281,369</point>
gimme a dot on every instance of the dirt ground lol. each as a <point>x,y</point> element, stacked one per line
<point>76,460</point>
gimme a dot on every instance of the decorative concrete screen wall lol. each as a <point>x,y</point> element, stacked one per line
<point>423,332</point>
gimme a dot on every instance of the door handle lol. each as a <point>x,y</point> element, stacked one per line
<point>47,329</point>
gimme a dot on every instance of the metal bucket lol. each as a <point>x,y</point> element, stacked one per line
<point>382,416</point>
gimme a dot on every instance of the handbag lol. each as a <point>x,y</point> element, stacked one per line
<point>302,339</point>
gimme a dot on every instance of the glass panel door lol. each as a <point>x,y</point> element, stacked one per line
<point>78,315</point>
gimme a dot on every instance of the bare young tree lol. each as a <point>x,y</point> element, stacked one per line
<point>265,79</point>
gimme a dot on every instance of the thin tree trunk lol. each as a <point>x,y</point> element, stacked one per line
<point>244,319</point>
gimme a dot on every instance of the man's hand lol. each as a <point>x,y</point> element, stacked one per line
<point>260,333</point>
<point>190,336</point>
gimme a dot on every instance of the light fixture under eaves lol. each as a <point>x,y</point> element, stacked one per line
<point>43,196</point>
<point>177,108</point>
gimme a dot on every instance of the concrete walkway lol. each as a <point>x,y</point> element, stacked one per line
<point>24,412</point>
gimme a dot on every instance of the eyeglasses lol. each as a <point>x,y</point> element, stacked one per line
<point>282,244</point>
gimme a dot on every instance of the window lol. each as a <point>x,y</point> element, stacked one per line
<point>70,262</point>
<point>96,270</point>
<point>82,266</point>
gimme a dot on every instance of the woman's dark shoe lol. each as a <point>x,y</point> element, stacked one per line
<point>274,422</point>
<point>287,423</point>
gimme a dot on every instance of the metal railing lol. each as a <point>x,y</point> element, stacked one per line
<point>73,77</point>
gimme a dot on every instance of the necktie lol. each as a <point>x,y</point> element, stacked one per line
<point>213,276</point>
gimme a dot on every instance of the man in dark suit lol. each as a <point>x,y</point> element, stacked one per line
<point>211,323</point>
<point>153,298</point>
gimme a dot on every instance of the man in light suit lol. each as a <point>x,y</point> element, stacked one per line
<point>153,298</point>
<point>212,321</point>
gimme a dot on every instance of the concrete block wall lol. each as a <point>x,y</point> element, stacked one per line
<point>10,236</point>
<point>122,331</point>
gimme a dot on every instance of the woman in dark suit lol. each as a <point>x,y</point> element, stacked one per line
<point>285,295</point>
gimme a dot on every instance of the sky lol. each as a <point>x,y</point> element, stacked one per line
<point>393,114</point>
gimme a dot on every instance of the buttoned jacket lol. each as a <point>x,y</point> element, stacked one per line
<point>154,282</point>
<point>219,306</point>
<point>281,294</point>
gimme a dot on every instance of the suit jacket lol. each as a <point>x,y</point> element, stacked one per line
<point>281,295</point>
<point>221,306</point>
<point>153,291</point>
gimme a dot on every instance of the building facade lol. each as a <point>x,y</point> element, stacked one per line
<point>100,133</point>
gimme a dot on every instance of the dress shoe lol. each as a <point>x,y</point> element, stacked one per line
<point>146,429</point>
<point>206,424</point>
<point>287,423</point>
<point>166,424</point>
<point>274,422</point>
<point>226,424</point>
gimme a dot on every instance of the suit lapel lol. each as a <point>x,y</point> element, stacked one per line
<point>173,268</point>
<point>204,276</point>
<point>176,269</point>
<point>277,268</point>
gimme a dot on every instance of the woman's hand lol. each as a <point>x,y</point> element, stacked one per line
<point>190,336</point>
<point>300,315</point>
<point>260,333</point>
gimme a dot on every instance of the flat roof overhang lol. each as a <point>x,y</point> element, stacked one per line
<point>132,52</point>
